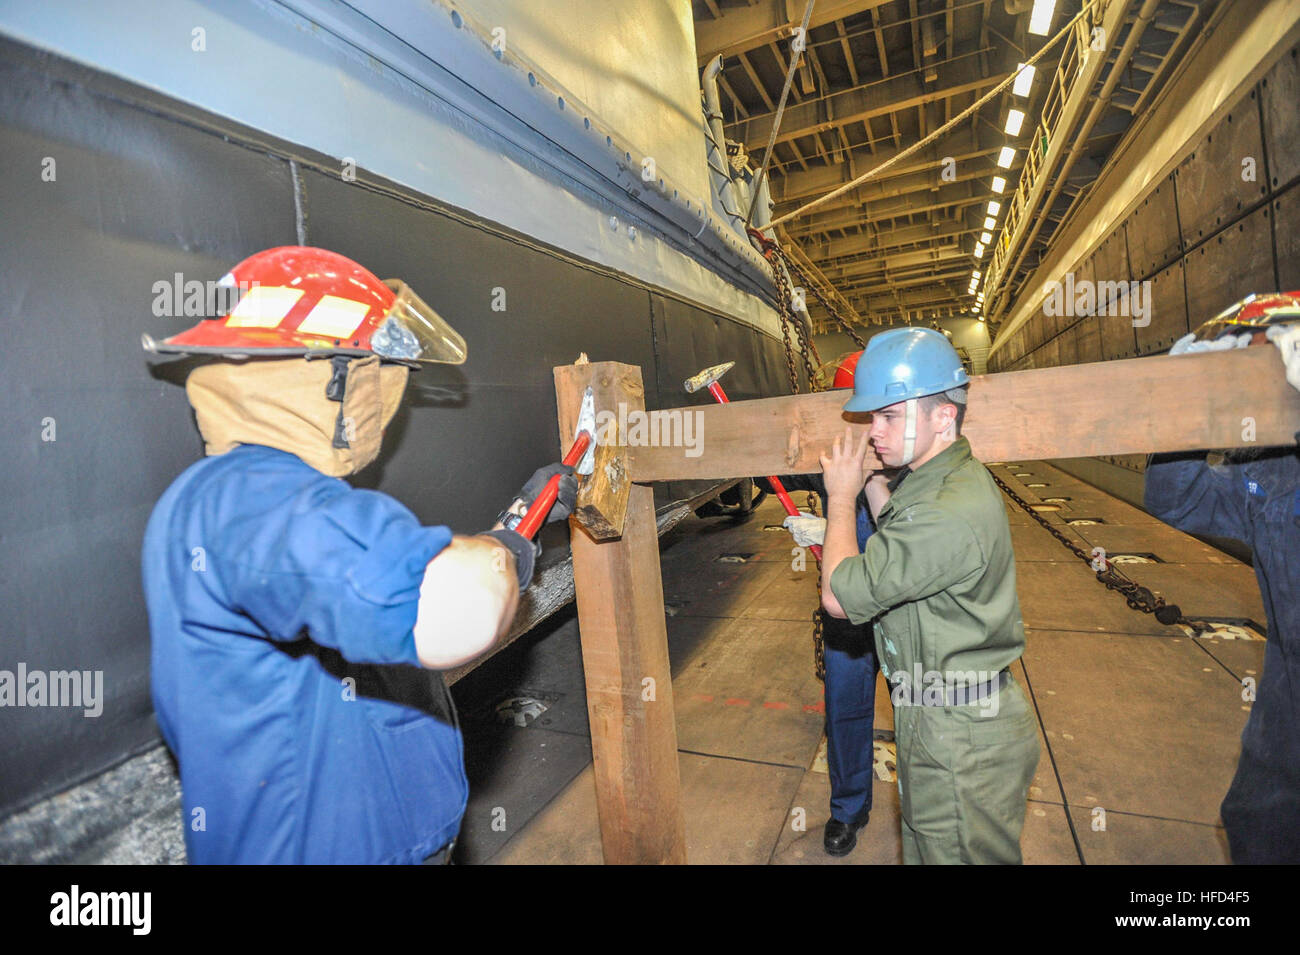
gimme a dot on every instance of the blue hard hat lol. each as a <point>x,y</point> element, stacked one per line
<point>904,363</point>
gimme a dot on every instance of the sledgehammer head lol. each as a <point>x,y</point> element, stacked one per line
<point>708,376</point>
<point>587,423</point>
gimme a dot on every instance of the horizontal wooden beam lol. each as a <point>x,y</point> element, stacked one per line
<point>1229,399</point>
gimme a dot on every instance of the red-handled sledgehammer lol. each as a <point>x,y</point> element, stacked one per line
<point>581,458</point>
<point>708,378</point>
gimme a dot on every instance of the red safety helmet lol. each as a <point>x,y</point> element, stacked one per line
<point>844,373</point>
<point>297,300</point>
<point>1254,313</point>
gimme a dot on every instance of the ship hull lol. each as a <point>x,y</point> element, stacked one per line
<point>147,190</point>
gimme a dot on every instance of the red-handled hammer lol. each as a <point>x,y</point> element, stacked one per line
<point>581,458</point>
<point>708,378</point>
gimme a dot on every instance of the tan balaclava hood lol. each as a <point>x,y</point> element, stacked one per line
<point>282,403</point>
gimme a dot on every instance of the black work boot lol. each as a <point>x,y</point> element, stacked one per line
<point>841,837</point>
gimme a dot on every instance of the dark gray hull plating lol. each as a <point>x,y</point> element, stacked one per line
<point>147,187</point>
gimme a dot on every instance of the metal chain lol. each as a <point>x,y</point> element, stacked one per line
<point>1137,596</point>
<point>819,643</point>
<point>776,257</point>
<point>831,310</point>
<point>785,309</point>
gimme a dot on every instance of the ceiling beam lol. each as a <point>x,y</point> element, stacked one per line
<point>741,29</point>
<point>954,195</point>
<point>927,180</point>
<point>830,253</point>
<point>961,146</point>
<point>880,98</point>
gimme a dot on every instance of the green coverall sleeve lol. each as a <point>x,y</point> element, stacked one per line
<point>918,553</point>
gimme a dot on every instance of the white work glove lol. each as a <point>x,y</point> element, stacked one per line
<point>1287,340</point>
<point>1187,345</point>
<point>808,529</point>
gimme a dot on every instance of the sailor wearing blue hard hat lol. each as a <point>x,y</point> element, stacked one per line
<point>938,580</point>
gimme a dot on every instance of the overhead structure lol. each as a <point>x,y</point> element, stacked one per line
<point>877,76</point>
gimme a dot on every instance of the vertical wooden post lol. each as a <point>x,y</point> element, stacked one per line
<point>625,646</point>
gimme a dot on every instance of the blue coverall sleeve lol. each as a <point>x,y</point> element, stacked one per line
<point>342,567</point>
<point>1185,491</point>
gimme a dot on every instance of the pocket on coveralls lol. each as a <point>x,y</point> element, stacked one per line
<point>929,798</point>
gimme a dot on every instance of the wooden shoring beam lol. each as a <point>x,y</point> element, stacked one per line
<point>1164,403</point>
<point>625,645</point>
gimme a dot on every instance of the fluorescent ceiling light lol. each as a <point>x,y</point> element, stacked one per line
<point>979,317</point>
<point>1024,80</point>
<point>1006,156</point>
<point>1015,119</point>
<point>979,250</point>
<point>994,207</point>
<point>1040,20</point>
<point>990,222</point>
<point>999,184</point>
<point>975,274</point>
<point>985,238</point>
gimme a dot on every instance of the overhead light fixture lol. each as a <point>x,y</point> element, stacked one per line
<point>1015,119</point>
<point>1006,156</point>
<point>975,274</point>
<point>999,184</point>
<point>994,207</point>
<point>979,318</point>
<point>979,250</point>
<point>990,222</point>
<point>1040,20</point>
<point>1024,80</point>
<point>985,238</point>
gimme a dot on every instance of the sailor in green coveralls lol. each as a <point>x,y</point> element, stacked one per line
<point>938,578</point>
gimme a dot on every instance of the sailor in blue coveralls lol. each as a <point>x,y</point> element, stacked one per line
<point>298,623</point>
<point>1253,496</point>
<point>849,656</point>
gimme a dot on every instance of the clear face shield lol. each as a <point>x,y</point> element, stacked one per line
<point>413,331</point>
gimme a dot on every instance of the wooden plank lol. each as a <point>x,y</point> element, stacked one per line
<point>1128,406</point>
<point>625,649</point>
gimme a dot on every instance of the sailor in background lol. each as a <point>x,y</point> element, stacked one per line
<point>849,655</point>
<point>295,619</point>
<point>1253,495</point>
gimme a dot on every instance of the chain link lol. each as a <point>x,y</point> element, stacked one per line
<point>776,257</point>
<point>831,310</point>
<point>1137,596</point>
